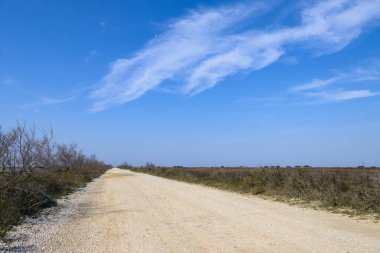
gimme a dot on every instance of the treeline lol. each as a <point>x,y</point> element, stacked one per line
<point>35,169</point>
<point>355,188</point>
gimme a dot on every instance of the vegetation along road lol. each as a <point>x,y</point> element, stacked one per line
<point>123,211</point>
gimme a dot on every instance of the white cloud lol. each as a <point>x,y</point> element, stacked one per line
<point>343,95</point>
<point>204,47</point>
<point>173,53</point>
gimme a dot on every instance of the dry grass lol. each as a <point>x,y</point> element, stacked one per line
<point>333,188</point>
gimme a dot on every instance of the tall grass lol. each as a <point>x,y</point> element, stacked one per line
<point>357,189</point>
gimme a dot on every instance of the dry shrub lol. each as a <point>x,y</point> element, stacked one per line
<point>34,170</point>
<point>355,188</point>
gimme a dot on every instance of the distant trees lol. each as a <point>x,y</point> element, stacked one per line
<point>150,165</point>
<point>125,165</point>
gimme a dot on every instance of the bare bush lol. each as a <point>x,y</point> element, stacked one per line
<point>34,168</point>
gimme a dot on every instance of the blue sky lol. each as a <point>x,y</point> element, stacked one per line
<point>197,82</point>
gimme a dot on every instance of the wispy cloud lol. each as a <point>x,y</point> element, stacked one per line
<point>185,42</point>
<point>7,82</point>
<point>103,26</point>
<point>55,101</point>
<point>320,88</point>
<point>368,71</point>
<point>316,84</point>
<point>204,47</point>
<point>47,101</point>
<point>342,95</point>
<point>89,57</point>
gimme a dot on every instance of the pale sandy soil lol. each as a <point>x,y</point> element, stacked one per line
<point>129,212</point>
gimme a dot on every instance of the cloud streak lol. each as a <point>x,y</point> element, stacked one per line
<point>47,101</point>
<point>320,88</point>
<point>89,57</point>
<point>7,82</point>
<point>316,84</point>
<point>343,95</point>
<point>204,47</point>
<point>55,101</point>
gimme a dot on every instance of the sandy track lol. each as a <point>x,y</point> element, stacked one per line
<point>131,212</point>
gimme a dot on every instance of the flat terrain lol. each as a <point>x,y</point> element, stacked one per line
<point>124,211</point>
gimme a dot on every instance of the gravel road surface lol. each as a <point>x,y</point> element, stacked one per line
<point>123,211</point>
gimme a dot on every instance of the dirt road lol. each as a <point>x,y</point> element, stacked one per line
<point>130,212</point>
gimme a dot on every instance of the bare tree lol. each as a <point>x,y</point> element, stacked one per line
<point>19,148</point>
